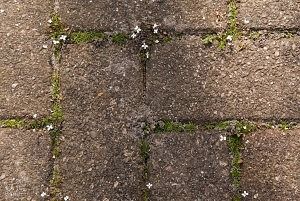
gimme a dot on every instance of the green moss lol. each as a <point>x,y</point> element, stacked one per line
<point>235,144</point>
<point>223,125</point>
<point>55,135</point>
<point>12,123</point>
<point>170,126</point>
<point>55,82</point>
<point>244,127</point>
<point>167,39</point>
<point>210,39</point>
<point>233,11</point>
<point>55,183</point>
<point>86,37</point>
<point>237,198</point>
<point>145,149</point>
<point>40,123</point>
<point>239,127</point>
<point>285,125</point>
<point>232,30</point>
<point>254,35</point>
<point>56,26</point>
<point>146,195</point>
<point>119,38</point>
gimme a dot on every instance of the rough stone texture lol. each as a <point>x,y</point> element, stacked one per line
<point>102,89</point>
<point>271,168</point>
<point>24,164</point>
<point>186,80</point>
<point>269,14</point>
<point>24,68</point>
<point>125,15</point>
<point>185,166</point>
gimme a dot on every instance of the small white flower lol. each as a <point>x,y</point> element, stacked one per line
<point>34,116</point>
<point>244,194</point>
<point>55,42</point>
<point>145,46</point>
<point>133,35</point>
<point>155,26</point>
<point>229,38</point>
<point>137,29</point>
<point>147,55</point>
<point>49,127</point>
<point>63,37</point>
<point>155,31</point>
<point>156,41</point>
<point>149,185</point>
<point>66,198</point>
<point>50,21</point>
<point>222,138</point>
<point>43,194</point>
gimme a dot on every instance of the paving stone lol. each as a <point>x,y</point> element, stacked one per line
<point>102,89</point>
<point>24,164</point>
<point>188,81</point>
<point>24,68</point>
<point>271,168</point>
<point>185,166</point>
<point>125,15</point>
<point>269,14</point>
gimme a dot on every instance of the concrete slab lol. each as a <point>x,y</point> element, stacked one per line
<point>190,166</point>
<point>188,81</point>
<point>269,14</point>
<point>24,63</point>
<point>24,164</point>
<point>125,15</point>
<point>102,90</point>
<point>271,168</point>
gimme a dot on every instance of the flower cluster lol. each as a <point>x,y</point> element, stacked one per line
<point>145,46</point>
<point>61,38</point>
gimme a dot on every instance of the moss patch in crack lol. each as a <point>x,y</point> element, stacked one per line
<point>12,123</point>
<point>236,198</point>
<point>55,183</point>
<point>283,125</point>
<point>86,37</point>
<point>235,143</point>
<point>171,126</point>
<point>56,116</point>
<point>245,127</point>
<point>233,11</point>
<point>254,35</point>
<point>119,38</point>
<point>145,151</point>
<point>237,127</point>
<point>231,34</point>
<point>56,26</point>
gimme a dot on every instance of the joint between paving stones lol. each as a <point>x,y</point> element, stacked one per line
<point>58,36</point>
<point>145,155</point>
